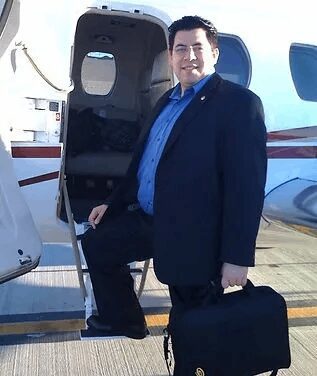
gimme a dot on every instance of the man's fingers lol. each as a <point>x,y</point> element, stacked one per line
<point>233,275</point>
<point>92,218</point>
<point>99,216</point>
<point>92,223</point>
<point>96,215</point>
<point>93,214</point>
<point>224,283</point>
<point>244,280</point>
<point>233,283</point>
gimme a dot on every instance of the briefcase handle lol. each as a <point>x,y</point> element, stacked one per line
<point>248,287</point>
<point>217,290</point>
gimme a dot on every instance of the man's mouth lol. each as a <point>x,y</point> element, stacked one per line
<point>192,67</point>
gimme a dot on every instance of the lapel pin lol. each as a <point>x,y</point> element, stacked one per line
<point>202,98</point>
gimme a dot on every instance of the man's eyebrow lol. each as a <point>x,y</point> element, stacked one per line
<point>185,45</point>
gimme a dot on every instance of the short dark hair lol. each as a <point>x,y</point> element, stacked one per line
<point>190,23</point>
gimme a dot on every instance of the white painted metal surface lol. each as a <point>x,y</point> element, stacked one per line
<point>20,243</point>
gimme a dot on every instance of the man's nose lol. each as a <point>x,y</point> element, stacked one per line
<point>191,54</point>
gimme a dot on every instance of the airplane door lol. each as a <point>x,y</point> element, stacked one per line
<point>20,244</point>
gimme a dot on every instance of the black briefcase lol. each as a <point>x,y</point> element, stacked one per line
<point>243,333</point>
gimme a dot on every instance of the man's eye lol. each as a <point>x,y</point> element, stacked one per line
<point>180,49</point>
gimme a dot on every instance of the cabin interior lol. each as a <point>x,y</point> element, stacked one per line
<point>120,69</point>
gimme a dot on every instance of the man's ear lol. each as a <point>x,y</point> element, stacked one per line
<point>215,54</point>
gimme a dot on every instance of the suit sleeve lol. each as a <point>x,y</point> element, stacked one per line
<point>244,165</point>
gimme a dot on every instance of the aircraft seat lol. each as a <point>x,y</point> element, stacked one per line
<point>156,81</point>
<point>104,163</point>
<point>99,140</point>
<point>161,77</point>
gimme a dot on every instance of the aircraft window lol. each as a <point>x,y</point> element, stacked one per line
<point>98,73</point>
<point>303,64</point>
<point>234,62</point>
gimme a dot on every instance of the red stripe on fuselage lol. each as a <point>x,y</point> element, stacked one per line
<point>36,151</point>
<point>292,134</point>
<point>283,152</point>
<point>291,152</point>
<point>39,179</point>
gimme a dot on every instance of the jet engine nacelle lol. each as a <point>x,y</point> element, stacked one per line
<point>293,204</point>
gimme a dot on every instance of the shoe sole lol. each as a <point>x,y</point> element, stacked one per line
<point>118,333</point>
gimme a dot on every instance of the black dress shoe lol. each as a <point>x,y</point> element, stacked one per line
<point>131,331</point>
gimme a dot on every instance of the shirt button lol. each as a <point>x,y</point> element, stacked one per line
<point>149,181</point>
<point>158,139</point>
<point>152,159</point>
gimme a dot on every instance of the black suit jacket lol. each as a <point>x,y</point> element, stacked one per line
<point>209,186</point>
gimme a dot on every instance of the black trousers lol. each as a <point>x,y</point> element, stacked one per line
<point>108,249</point>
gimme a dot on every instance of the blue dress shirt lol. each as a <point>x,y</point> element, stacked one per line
<point>157,139</point>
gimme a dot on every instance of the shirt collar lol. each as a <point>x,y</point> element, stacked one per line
<point>176,93</point>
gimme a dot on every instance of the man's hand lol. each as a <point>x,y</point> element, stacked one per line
<point>96,215</point>
<point>233,275</point>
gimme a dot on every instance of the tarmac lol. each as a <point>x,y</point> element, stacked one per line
<point>42,315</point>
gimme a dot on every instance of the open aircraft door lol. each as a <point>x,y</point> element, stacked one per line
<point>20,244</point>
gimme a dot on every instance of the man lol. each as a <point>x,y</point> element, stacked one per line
<point>193,194</point>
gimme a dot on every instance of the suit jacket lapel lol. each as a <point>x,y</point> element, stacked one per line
<point>190,111</point>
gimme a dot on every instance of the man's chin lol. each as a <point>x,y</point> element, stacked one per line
<point>191,82</point>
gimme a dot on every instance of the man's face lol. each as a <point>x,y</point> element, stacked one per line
<point>192,57</point>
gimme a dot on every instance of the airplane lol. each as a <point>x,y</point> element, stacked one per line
<point>62,155</point>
